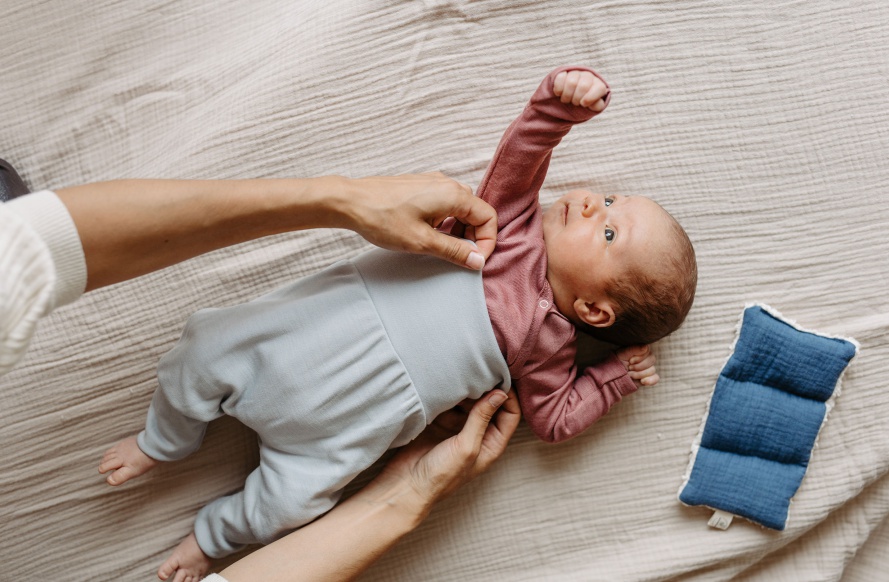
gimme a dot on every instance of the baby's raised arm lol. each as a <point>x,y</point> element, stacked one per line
<point>565,97</point>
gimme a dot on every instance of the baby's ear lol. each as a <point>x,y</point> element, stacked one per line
<point>595,313</point>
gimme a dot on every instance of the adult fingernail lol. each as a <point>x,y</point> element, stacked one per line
<point>475,261</point>
<point>497,398</point>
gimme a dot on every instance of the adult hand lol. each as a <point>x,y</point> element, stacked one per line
<point>455,447</point>
<point>402,212</point>
<point>128,228</point>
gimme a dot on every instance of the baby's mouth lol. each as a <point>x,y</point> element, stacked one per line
<point>565,215</point>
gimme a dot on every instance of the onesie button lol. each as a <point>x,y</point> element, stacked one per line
<point>544,304</point>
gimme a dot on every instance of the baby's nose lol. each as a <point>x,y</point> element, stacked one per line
<point>590,206</point>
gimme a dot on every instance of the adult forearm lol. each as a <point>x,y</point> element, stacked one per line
<point>340,545</point>
<point>132,227</point>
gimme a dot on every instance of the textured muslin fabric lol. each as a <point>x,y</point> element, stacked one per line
<point>762,127</point>
<point>331,371</point>
<point>769,403</point>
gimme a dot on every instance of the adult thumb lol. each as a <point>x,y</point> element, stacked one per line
<point>455,250</point>
<point>480,417</point>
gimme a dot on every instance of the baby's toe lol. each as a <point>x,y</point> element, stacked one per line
<point>120,476</point>
<point>166,570</point>
<point>110,464</point>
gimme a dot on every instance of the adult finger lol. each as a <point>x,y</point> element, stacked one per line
<point>479,419</point>
<point>498,433</point>
<point>451,421</point>
<point>452,249</point>
<point>483,218</point>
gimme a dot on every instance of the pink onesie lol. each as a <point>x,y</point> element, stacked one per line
<point>538,342</point>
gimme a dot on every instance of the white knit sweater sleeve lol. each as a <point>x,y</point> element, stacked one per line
<point>214,578</point>
<point>42,267</point>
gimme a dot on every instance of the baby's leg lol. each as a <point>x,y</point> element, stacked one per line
<point>127,461</point>
<point>170,434</point>
<point>285,492</point>
<point>187,561</point>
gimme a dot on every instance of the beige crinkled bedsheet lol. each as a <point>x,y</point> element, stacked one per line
<point>763,127</point>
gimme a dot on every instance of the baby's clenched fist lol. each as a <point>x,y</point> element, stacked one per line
<point>581,88</point>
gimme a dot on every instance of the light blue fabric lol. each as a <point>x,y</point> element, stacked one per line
<point>330,371</point>
<point>769,403</point>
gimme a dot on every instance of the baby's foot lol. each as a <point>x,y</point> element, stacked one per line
<point>188,562</point>
<point>127,460</point>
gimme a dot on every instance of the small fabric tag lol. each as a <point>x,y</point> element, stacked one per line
<point>721,519</point>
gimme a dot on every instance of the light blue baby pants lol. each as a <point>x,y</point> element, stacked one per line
<point>330,371</point>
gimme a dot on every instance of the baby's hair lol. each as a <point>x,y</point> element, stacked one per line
<point>651,306</point>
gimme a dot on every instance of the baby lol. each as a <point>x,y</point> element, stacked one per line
<point>335,368</point>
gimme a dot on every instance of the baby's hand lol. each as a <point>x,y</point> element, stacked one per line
<point>639,362</point>
<point>581,88</point>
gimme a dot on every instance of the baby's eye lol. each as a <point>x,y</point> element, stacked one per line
<point>609,201</point>
<point>609,235</point>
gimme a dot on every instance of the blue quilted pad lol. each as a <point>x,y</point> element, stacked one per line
<point>769,403</point>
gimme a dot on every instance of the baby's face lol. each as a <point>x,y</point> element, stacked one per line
<point>594,238</point>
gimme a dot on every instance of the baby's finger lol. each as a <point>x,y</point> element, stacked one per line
<point>584,85</point>
<point>650,380</point>
<point>645,363</point>
<point>596,92</point>
<point>634,359</point>
<point>570,85</point>
<point>559,83</point>
<point>598,106</point>
<point>639,375</point>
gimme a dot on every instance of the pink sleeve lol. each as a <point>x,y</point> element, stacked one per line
<point>558,405</point>
<point>518,169</point>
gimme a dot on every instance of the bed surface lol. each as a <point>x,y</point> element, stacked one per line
<point>764,130</point>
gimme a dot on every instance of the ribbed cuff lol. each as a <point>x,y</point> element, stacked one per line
<point>47,215</point>
<point>612,370</point>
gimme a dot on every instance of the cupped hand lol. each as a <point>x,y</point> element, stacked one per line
<point>456,448</point>
<point>402,212</point>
